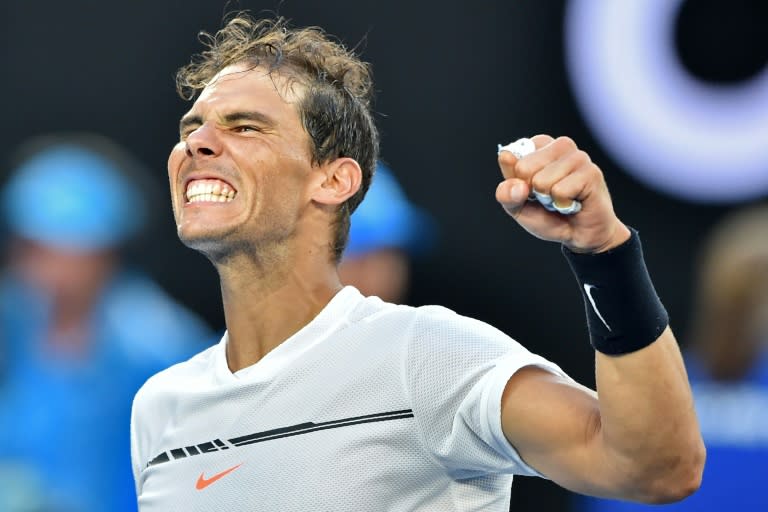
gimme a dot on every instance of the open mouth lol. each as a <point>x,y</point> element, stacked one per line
<point>209,191</point>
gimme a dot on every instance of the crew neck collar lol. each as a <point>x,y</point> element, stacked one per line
<point>330,319</point>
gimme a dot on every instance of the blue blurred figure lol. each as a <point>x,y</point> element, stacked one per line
<point>386,231</point>
<point>79,332</point>
<point>727,362</point>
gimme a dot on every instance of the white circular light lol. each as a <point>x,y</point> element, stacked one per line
<point>693,140</point>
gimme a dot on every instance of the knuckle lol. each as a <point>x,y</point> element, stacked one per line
<point>559,191</point>
<point>542,139</point>
<point>595,172</point>
<point>564,142</point>
<point>540,183</point>
<point>580,158</point>
<point>524,168</point>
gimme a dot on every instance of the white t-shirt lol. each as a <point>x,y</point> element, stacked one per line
<point>371,406</point>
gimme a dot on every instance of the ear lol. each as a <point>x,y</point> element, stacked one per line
<point>340,179</point>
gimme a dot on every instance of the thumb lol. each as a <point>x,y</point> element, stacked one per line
<point>512,194</point>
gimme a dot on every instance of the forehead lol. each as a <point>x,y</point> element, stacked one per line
<point>243,85</point>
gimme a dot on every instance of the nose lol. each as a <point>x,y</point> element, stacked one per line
<point>203,142</point>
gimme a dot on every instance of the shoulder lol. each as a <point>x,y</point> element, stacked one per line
<point>440,328</point>
<point>433,333</point>
<point>163,386</point>
<point>422,320</point>
<point>157,402</point>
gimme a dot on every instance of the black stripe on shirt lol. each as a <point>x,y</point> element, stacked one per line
<point>279,433</point>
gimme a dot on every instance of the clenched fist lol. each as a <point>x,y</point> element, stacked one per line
<point>558,168</point>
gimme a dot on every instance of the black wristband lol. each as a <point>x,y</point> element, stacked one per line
<point>624,313</point>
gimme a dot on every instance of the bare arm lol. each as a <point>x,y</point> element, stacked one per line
<point>638,442</point>
<point>638,437</point>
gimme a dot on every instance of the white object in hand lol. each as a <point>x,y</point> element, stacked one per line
<point>523,147</point>
<point>519,148</point>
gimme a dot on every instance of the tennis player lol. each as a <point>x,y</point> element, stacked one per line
<point>318,398</point>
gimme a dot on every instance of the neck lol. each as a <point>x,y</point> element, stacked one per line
<point>268,299</point>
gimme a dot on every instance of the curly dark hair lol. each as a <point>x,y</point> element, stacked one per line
<point>336,107</point>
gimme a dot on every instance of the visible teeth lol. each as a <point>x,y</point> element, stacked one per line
<point>209,190</point>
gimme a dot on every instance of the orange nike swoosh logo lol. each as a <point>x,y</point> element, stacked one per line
<point>203,482</point>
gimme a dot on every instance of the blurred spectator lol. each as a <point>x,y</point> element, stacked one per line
<point>386,232</point>
<point>727,361</point>
<point>79,332</point>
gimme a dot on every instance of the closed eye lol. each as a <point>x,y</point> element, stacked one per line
<point>248,121</point>
<point>188,124</point>
<point>245,129</point>
<point>183,135</point>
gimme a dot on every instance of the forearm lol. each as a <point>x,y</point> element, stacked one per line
<point>648,428</point>
<point>647,421</point>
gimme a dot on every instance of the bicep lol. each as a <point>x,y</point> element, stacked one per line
<point>554,424</point>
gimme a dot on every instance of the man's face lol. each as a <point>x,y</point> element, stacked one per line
<point>239,173</point>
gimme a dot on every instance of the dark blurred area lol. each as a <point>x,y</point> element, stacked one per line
<point>453,80</point>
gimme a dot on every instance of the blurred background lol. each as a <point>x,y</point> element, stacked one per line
<point>669,97</point>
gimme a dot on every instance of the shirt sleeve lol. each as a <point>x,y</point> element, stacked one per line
<point>456,370</point>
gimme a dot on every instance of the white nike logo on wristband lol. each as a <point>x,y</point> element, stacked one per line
<point>588,290</point>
